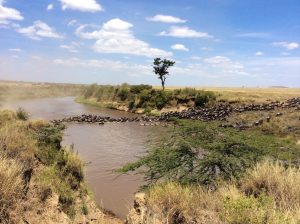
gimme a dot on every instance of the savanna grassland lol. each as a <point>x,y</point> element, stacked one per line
<point>205,172</point>
<point>240,169</point>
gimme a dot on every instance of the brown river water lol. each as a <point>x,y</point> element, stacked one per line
<point>102,148</point>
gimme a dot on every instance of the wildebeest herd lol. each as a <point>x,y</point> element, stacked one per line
<point>217,112</point>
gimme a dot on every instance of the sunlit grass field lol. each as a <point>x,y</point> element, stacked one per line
<point>248,94</point>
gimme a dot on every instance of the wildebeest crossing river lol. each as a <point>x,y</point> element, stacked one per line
<point>102,149</point>
<point>121,139</point>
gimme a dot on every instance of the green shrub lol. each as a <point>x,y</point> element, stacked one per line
<point>131,105</point>
<point>144,98</point>
<point>84,209</point>
<point>48,135</point>
<point>123,93</point>
<point>136,89</point>
<point>201,153</point>
<point>89,91</point>
<point>251,210</point>
<point>22,114</point>
<point>203,97</point>
<point>147,110</point>
<point>161,100</point>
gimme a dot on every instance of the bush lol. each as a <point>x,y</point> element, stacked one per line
<point>202,98</point>
<point>89,91</point>
<point>161,100</point>
<point>144,98</point>
<point>123,93</point>
<point>22,114</point>
<point>131,105</point>
<point>137,89</point>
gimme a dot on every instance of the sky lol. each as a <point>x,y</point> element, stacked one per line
<point>252,43</point>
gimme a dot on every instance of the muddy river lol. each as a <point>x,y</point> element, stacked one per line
<point>102,148</point>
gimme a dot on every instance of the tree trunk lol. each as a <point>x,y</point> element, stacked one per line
<point>163,85</point>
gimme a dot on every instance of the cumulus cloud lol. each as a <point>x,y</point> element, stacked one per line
<point>115,36</point>
<point>8,14</point>
<point>50,7</point>
<point>81,5</point>
<point>226,65</point>
<point>38,31</point>
<point>179,47</point>
<point>259,53</point>
<point>165,19</point>
<point>286,45</point>
<point>183,32</point>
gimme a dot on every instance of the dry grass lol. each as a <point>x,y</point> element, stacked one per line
<point>249,95</point>
<point>269,194</point>
<point>286,125</point>
<point>17,143</point>
<point>172,203</point>
<point>273,179</point>
<point>11,188</point>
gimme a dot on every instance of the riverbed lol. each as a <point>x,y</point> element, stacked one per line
<point>102,148</point>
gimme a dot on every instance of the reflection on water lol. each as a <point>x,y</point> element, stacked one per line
<point>103,148</point>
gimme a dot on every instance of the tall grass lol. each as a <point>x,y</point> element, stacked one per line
<point>269,194</point>
<point>11,189</point>
<point>34,167</point>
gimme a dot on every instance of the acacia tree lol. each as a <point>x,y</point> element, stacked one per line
<point>161,69</point>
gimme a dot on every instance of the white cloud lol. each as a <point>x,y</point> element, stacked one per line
<point>71,47</point>
<point>128,68</point>
<point>73,22</point>
<point>39,30</point>
<point>179,47</point>
<point>286,45</point>
<point>196,58</point>
<point>50,7</point>
<point>115,36</point>
<point>7,14</point>
<point>226,65</point>
<point>259,53</point>
<point>81,5</point>
<point>182,32</point>
<point>254,35</point>
<point>15,50</point>
<point>165,19</point>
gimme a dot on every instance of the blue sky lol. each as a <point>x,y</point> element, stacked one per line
<point>214,42</point>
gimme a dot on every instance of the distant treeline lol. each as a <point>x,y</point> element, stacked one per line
<point>146,97</point>
<point>22,90</point>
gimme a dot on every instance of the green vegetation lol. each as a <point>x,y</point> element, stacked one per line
<point>22,114</point>
<point>24,146</point>
<point>195,152</point>
<point>144,97</point>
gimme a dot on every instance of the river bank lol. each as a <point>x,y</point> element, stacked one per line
<point>101,149</point>
<point>41,181</point>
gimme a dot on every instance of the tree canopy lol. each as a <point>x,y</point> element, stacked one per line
<point>161,67</point>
